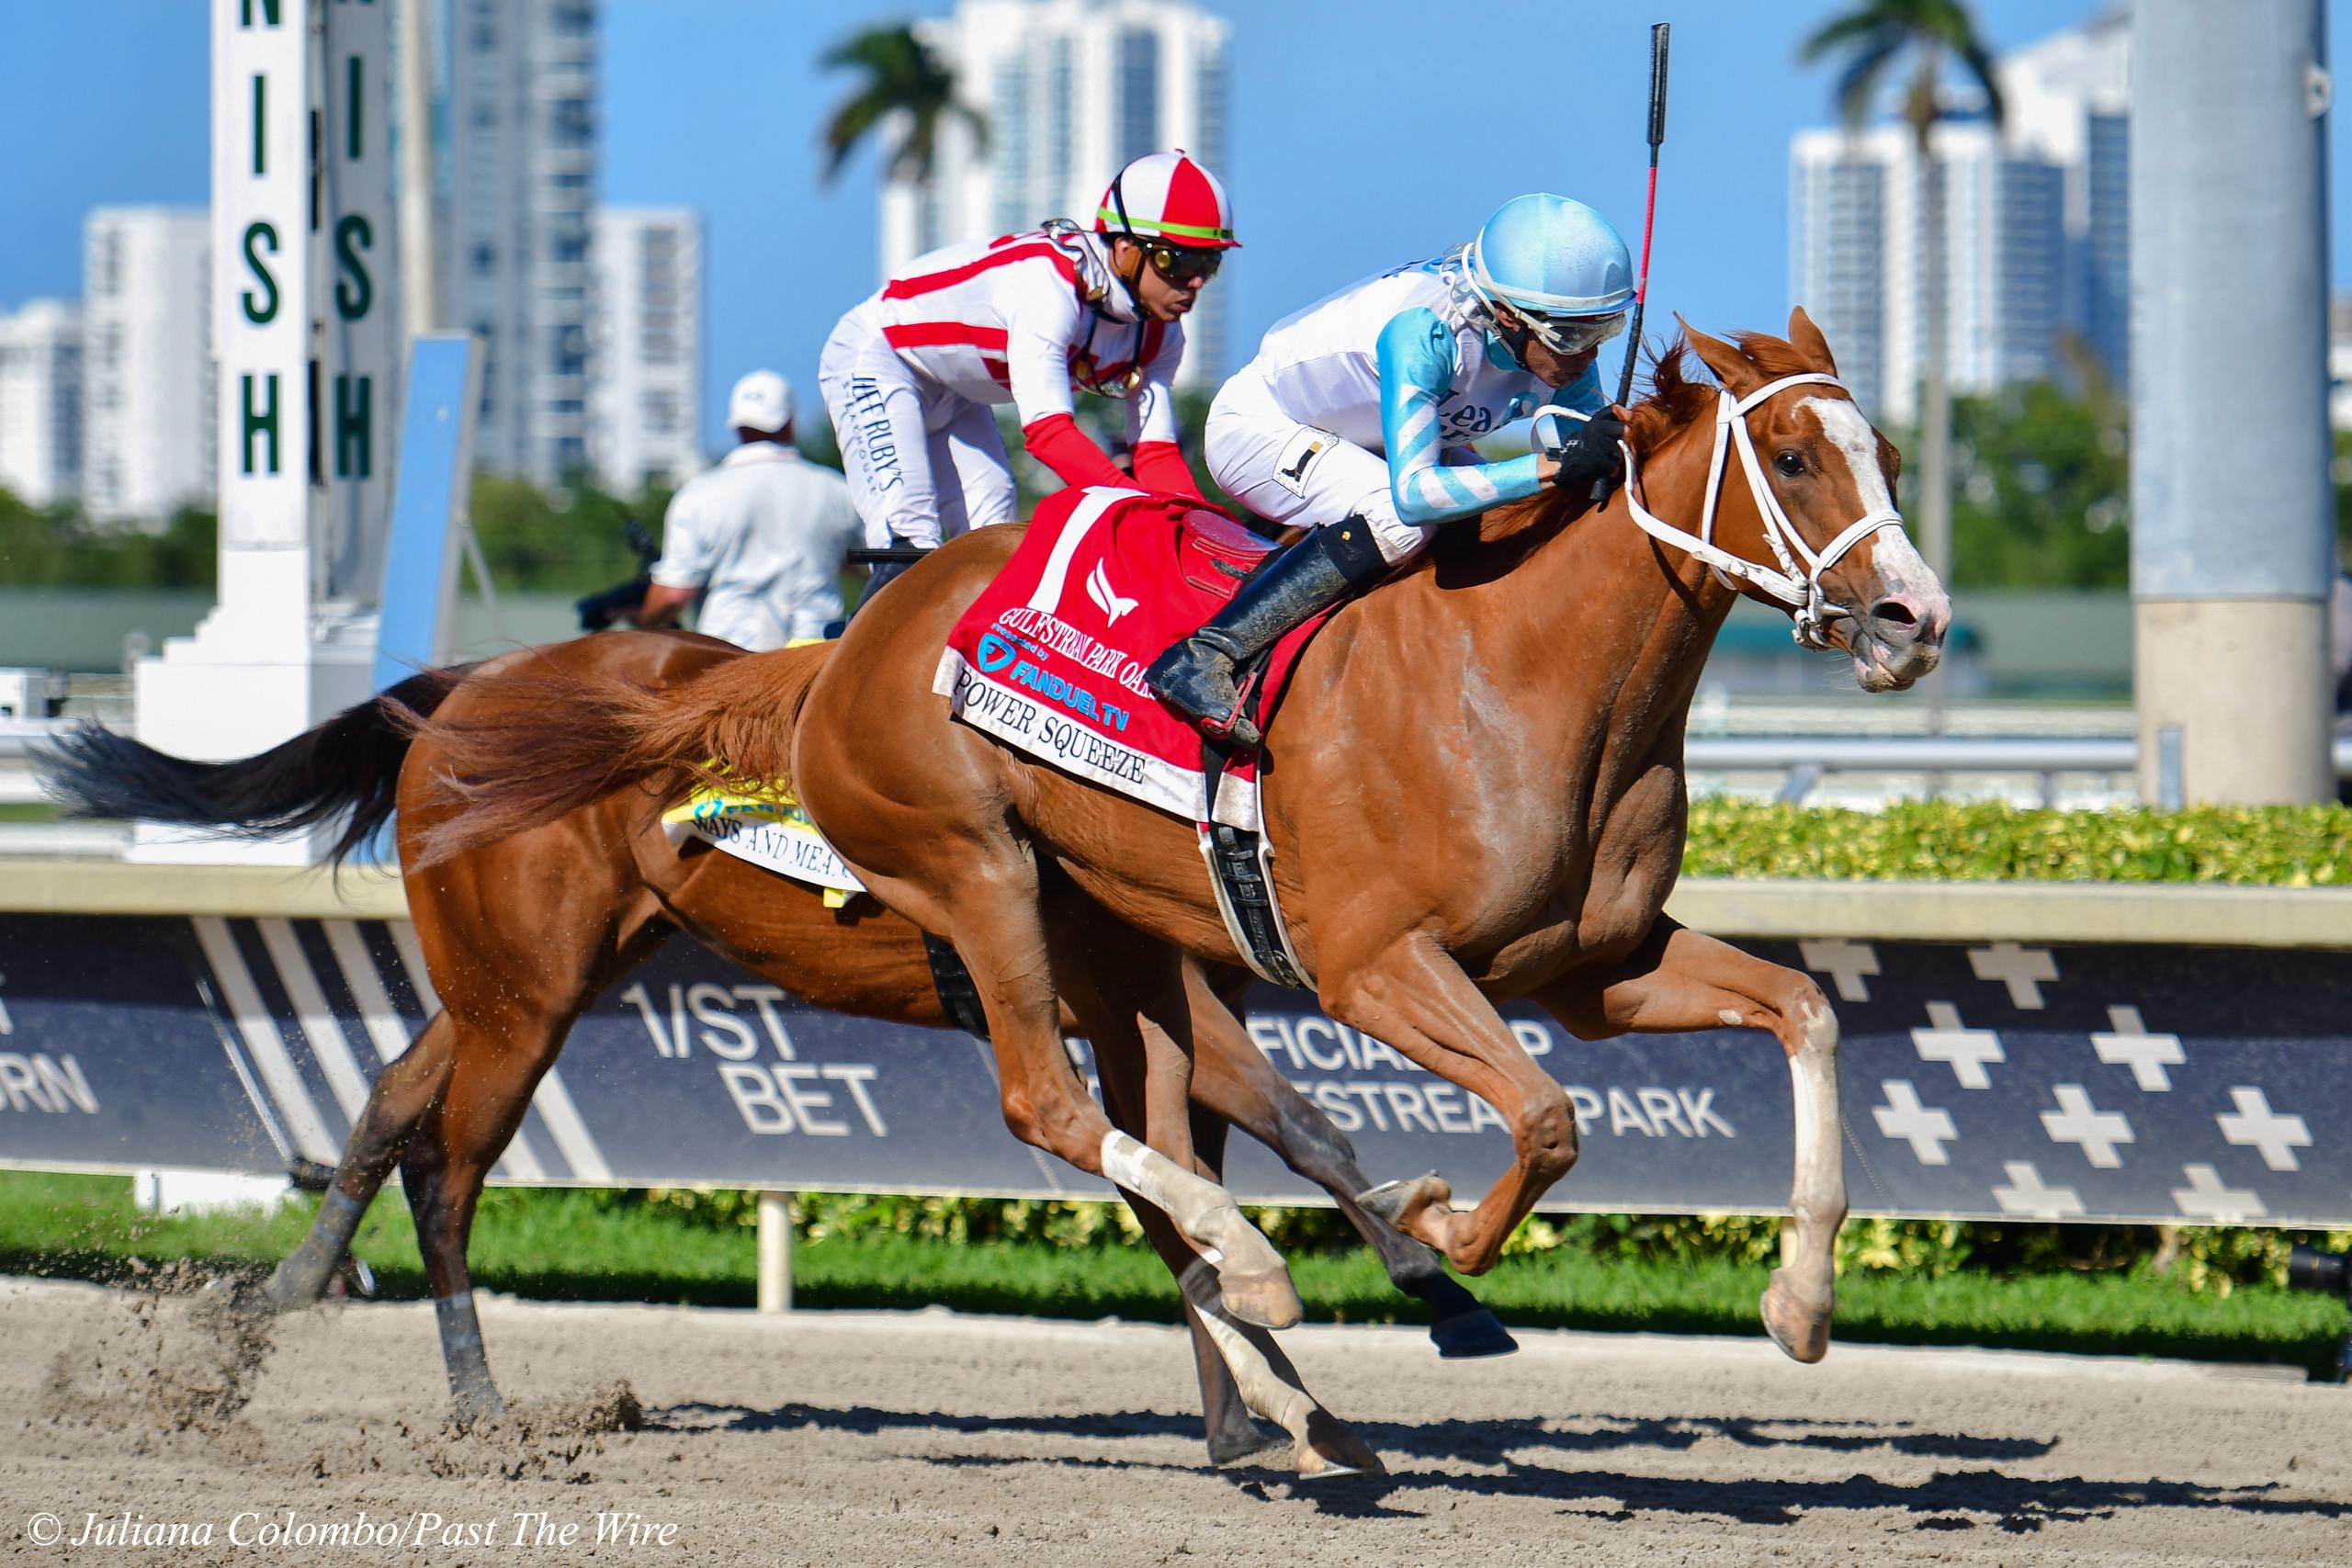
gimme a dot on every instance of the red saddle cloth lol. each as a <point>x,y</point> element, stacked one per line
<point>1049,660</point>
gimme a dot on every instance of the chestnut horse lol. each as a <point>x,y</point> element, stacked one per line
<point>1475,793</point>
<point>522,932</point>
<point>1477,796</point>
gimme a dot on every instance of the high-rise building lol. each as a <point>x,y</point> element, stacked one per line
<point>1856,262</point>
<point>1839,254</point>
<point>1070,90</point>
<point>148,432</point>
<point>2035,234</point>
<point>522,140</point>
<point>645,347</point>
<point>41,401</point>
<point>2067,97</point>
<point>2339,362</point>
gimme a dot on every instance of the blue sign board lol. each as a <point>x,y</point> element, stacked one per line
<point>2181,1084</point>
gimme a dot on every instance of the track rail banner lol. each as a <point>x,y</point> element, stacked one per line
<point>2206,1085</point>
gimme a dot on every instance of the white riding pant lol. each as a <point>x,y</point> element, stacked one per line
<point>901,433</point>
<point>1292,473</point>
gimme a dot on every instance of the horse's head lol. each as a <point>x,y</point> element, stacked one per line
<point>1847,571</point>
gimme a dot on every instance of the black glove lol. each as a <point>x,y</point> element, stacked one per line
<point>1588,457</point>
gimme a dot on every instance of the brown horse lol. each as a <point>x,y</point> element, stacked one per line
<point>523,931</point>
<point>1476,793</point>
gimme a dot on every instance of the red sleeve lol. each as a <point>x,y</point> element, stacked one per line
<point>1161,466</point>
<point>1056,442</point>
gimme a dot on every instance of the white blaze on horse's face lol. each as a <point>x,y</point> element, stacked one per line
<point>1894,629</point>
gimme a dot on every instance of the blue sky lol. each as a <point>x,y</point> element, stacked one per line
<point>1366,133</point>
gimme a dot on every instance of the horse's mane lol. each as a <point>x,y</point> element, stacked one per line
<point>1676,397</point>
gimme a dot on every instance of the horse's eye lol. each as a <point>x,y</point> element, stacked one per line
<point>1788,463</point>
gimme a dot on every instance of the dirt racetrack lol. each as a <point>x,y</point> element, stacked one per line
<point>928,1438</point>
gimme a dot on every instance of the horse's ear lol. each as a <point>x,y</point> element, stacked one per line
<point>1807,339</point>
<point>1731,367</point>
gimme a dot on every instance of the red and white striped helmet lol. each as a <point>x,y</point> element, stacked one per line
<point>1165,195</point>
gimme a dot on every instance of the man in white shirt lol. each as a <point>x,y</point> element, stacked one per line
<point>760,538</point>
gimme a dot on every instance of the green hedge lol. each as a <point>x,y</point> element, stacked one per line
<point>2203,1260</point>
<point>2303,846</point>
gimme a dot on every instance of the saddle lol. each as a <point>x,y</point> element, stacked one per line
<point>1049,660</point>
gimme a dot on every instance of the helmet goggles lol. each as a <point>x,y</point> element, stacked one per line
<point>1569,335</point>
<point>1181,265</point>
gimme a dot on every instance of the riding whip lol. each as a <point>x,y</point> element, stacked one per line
<point>1659,35</point>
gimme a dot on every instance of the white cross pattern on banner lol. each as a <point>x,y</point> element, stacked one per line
<point>2276,1133</point>
<point>2206,1198</point>
<point>2148,1055</point>
<point>1924,1127</point>
<point>2025,1195</point>
<point>2077,1121</point>
<point>1946,1039</point>
<point>2022,969</point>
<point>1851,961</point>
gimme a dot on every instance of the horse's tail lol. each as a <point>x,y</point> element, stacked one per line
<point>543,742</point>
<point>350,763</point>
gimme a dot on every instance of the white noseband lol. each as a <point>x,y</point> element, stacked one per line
<point>1798,589</point>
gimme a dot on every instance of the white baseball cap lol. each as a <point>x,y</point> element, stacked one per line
<point>762,402</point>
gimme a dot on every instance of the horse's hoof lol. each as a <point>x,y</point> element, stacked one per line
<point>1800,1327</point>
<point>1392,1200</point>
<point>1419,1208</point>
<point>475,1404</point>
<point>1469,1334</point>
<point>1266,1300</point>
<point>1327,1450</point>
<point>1227,1449</point>
<point>241,1297</point>
<point>288,1288</point>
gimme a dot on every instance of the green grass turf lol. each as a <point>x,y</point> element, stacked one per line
<point>567,1245</point>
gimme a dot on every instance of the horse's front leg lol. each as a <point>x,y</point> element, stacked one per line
<point>1678,980</point>
<point>1413,996</point>
<point>1234,1083</point>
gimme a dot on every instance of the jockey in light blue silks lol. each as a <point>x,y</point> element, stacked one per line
<point>1356,416</point>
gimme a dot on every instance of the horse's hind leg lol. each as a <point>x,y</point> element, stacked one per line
<point>484,1097</point>
<point>1128,990</point>
<point>994,919</point>
<point>1234,1082</point>
<point>1241,1368</point>
<point>1679,979</point>
<point>403,1092</point>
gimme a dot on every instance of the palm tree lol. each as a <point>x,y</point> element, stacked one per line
<point>904,80</point>
<point>1875,37</point>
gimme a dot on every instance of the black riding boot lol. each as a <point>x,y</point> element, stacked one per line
<point>1196,677</point>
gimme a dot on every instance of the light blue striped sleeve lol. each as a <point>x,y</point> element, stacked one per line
<point>1416,357</point>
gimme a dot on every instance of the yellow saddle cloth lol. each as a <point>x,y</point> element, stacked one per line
<point>765,825</point>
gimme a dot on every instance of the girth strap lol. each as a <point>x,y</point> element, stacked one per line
<point>1241,874</point>
<point>958,997</point>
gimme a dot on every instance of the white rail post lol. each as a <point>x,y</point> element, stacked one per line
<point>776,1252</point>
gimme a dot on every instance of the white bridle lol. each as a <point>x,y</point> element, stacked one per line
<point>1798,589</point>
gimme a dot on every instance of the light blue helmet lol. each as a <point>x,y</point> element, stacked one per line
<point>1560,266</point>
